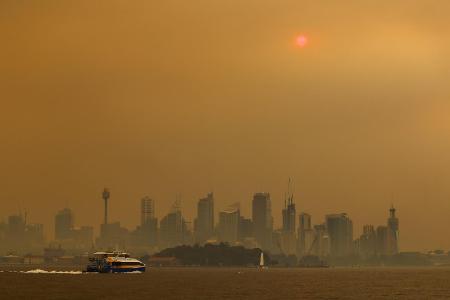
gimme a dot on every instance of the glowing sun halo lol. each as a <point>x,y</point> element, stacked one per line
<point>301,41</point>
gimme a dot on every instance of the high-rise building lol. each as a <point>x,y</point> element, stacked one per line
<point>147,233</point>
<point>288,238</point>
<point>340,232</point>
<point>289,216</point>
<point>305,234</point>
<point>3,228</point>
<point>392,234</point>
<point>174,229</point>
<point>147,210</point>
<point>113,235</point>
<point>20,235</point>
<point>64,222</point>
<point>382,240</point>
<point>245,228</point>
<point>16,228</point>
<point>83,236</point>
<point>35,234</point>
<point>368,242</point>
<point>228,227</point>
<point>262,220</point>
<point>321,243</point>
<point>204,223</point>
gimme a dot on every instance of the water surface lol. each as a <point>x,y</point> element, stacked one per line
<point>226,283</point>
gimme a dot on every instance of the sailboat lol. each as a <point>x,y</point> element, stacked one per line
<point>261,261</point>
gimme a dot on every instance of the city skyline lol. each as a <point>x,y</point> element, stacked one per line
<point>201,231</point>
<point>332,239</point>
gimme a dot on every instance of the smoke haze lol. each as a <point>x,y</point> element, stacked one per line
<point>164,97</point>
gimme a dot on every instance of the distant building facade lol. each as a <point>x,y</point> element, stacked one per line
<point>204,223</point>
<point>146,234</point>
<point>228,227</point>
<point>262,220</point>
<point>174,230</point>
<point>288,234</point>
<point>340,232</point>
<point>367,244</point>
<point>382,240</point>
<point>64,223</point>
<point>305,234</point>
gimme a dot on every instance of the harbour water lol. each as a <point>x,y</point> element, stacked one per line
<point>230,283</point>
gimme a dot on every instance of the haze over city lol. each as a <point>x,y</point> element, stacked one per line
<point>182,97</point>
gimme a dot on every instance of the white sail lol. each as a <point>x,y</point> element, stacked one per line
<point>261,260</point>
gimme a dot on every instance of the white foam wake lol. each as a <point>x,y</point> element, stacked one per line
<point>132,272</point>
<point>39,271</point>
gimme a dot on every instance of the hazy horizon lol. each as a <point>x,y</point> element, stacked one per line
<point>160,98</point>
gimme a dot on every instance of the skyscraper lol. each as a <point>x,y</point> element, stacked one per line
<point>228,227</point>
<point>288,238</point>
<point>204,223</point>
<point>382,237</point>
<point>368,242</point>
<point>147,233</point>
<point>305,234</point>
<point>173,228</point>
<point>392,233</point>
<point>262,220</point>
<point>321,244</point>
<point>64,223</point>
<point>340,232</point>
<point>15,233</point>
<point>147,210</point>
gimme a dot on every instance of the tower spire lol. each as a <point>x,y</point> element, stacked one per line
<point>105,196</point>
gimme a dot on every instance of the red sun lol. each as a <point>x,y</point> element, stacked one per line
<point>301,41</point>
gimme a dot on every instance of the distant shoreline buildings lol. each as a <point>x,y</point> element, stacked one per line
<point>298,236</point>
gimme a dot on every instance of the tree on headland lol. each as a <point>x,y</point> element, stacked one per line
<point>214,255</point>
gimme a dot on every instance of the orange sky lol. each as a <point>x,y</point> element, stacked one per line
<point>164,97</point>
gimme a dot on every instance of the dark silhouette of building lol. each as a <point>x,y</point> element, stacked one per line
<point>321,242</point>
<point>245,228</point>
<point>64,222</point>
<point>113,235</point>
<point>174,229</point>
<point>228,227</point>
<point>368,242</point>
<point>340,232</point>
<point>146,234</point>
<point>305,234</point>
<point>18,235</point>
<point>262,220</point>
<point>204,223</point>
<point>288,236</point>
<point>382,240</point>
<point>147,210</point>
<point>70,236</point>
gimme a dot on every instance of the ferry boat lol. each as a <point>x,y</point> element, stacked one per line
<point>114,262</point>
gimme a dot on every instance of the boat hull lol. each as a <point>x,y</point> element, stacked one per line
<point>127,270</point>
<point>123,269</point>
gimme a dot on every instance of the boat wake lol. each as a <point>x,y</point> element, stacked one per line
<point>133,272</point>
<point>39,271</point>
